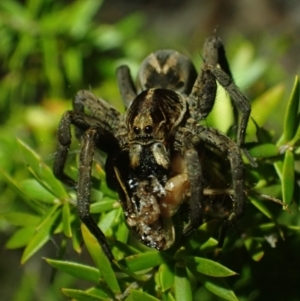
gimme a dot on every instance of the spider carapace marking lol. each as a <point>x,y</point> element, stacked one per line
<point>158,155</point>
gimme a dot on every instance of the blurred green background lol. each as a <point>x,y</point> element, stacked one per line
<point>51,49</point>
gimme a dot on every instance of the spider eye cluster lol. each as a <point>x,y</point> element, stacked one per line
<point>148,129</point>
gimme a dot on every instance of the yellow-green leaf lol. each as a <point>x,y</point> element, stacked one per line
<point>80,295</point>
<point>264,151</point>
<point>166,276</point>
<point>41,171</point>
<point>75,269</point>
<point>41,236</point>
<point>20,238</point>
<point>263,106</point>
<point>21,219</point>
<point>218,287</point>
<point>136,295</point>
<point>290,119</point>
<point>288,176</point>
<point>36,191</point>
<point>66,219</point>
<point>208,267</point>
<point>182,284</point>
<point>261,207</point>
<point>144,261</point>
<point>100,259</point>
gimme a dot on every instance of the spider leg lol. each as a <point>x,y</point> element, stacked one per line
<point>214,138</point>
<point>240,101</point>
<point>92,133</point>
<point>184,142</point>
<point>203,94</point>
<point>195,176</point>
<point>97,108</point>
<point>83,189</point>
<point>64,142</point>
<point>126,86</point>
<point>202,97</point>
<point>214,54</point>
<point>83,122</point>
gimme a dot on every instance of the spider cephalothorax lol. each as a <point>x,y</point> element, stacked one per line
<point>156,151</point>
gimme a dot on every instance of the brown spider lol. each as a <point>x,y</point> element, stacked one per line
<point>155,150</point>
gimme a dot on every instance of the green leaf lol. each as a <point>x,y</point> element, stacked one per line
<point>218,287</point>
<point>209,246</point>
<point>143,261</point>
<point>21,219</point>
<point>48,216</point>
<point>34,205</point>
<point>20,238</point>
<point>66,219</point>
<point>101,290</point>
<point>167,296</point>
<point>264,151</point>
<point>77,241</point>
<point>123,231</point>
<point>82,295</point>
<point>136,295</point>
<point>263,106</point>
<point>223,106</point>
<point>36,191</point>
<point>106,204</point>
<point>254,248</point>
<point>100,259</point>
<point>290,119</point>
<point>182,285</point>
<point>107,191</point>
<point>278,165</point>
<point>109,220</point>
<point>208,267</point>
<point>75,269</point>
<point>42,234</point>
<point>42,171</point>
<point>166,276</point>
<point>288,177</point>
<point>138,277</point>
<point>296,138</point>
<point>126,248</point>
<point>261,207</point>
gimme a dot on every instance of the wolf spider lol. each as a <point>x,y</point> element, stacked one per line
<point>155,150</point>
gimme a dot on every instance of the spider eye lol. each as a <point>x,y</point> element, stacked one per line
<point>148,129</point>
<point>136,130</point>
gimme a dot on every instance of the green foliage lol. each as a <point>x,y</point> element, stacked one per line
<point>42,58</point>
<point>48,45</point>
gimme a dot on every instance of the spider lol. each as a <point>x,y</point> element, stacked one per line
<point>156,150</point>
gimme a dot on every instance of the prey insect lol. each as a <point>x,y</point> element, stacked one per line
<point>156,151</point>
